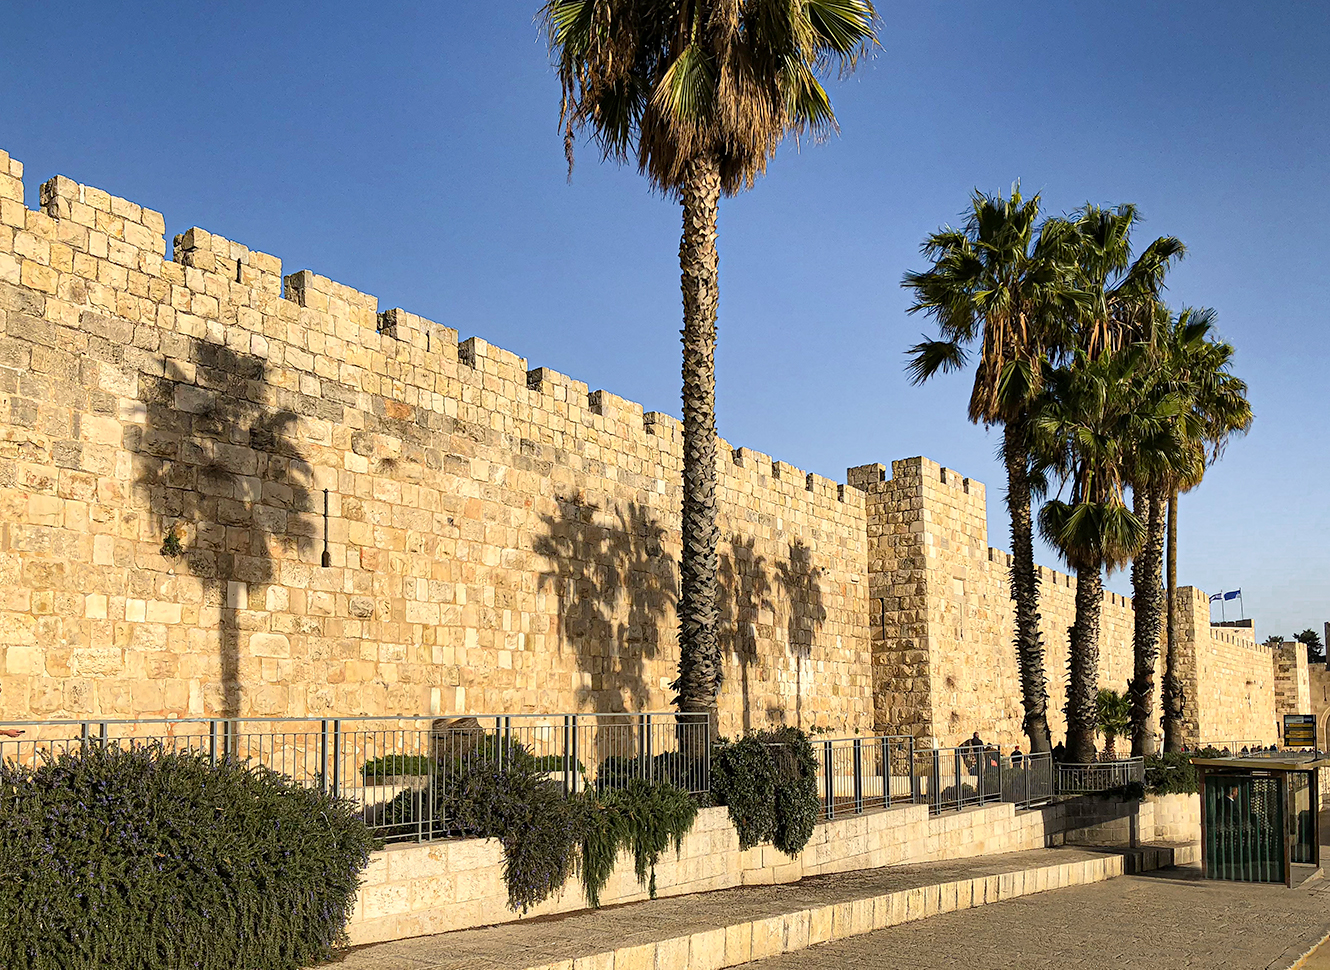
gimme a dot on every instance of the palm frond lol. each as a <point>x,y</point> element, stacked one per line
<point>932,357</point>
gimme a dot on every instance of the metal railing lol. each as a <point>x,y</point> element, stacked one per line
<point>1234,748</point>
<point>949,779</point>
<point>1085,779</point>
<point>1028,779</point>
<point>858,774</point>
<point>399,769</point>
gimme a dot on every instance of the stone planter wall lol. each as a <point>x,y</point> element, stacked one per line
<point>413,890</point>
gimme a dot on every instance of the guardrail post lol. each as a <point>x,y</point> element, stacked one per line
<point>885,747</point>
<point>573,750</point>
<point>643,747</point>
<point>960,787</point>
<point>567,760</point>
<point>858,778</point>
<point>828,780</point>
<point>337,758</point>
<point>915,788</point>
<point>323,754</point>
<point>212,740</point>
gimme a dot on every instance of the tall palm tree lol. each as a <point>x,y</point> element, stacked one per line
<point>701,93</point>
<point>1125,305</point>
<point>1003,281</point>
<point>1197,365</point>
<point>1090,427</point>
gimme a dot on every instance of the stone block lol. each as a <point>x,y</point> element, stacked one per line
<point>672,954</point>
<point>706,950</point>
<point>738,944</point>
<point>641,957</point>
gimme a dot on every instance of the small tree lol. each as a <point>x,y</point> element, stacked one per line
<point>1315,649</point>
<point>1113,712</point>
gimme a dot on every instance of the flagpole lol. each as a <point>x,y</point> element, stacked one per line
<point>1222,617</point>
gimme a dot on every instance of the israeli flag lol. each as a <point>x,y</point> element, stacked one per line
<point>1216,597</point>
<point>1233,595</point>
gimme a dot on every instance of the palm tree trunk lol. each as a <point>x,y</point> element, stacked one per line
<point>1025,590</point>
<point>1172,684</point>
<point>1147,602</point>
<point>699,650</point>
<point>1083,690</point>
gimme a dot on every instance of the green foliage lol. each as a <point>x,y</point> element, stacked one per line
<point>768,780</point>
<point>554,762</point>
<point>1112,715</point>
<point>500,791</point>
<point>139,857</point>
<point>376,770</point>
<point>743,778</point>
<point>643,818</point>
<point>675,768</point>
<point>537,824</point>
<point>1173,773</point>
<point>172,548</point>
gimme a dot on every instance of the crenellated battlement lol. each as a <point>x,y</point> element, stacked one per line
<point>114,253</point>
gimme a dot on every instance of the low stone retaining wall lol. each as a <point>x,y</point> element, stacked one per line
<point>414,890</point>
<point>1177,818</point>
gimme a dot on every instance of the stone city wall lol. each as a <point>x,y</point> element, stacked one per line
<point>1293,693</point>
<point>1230,679</point>
<point>229,492</point>
<point>371,516</point>
<point>943,619</point>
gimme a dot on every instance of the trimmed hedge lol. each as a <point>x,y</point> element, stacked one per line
<point>142,858</point>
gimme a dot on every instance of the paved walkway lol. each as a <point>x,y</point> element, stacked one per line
<point>777,916</point>
<point>1163,920</point>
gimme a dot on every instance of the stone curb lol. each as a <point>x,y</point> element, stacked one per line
<point>731,946</point>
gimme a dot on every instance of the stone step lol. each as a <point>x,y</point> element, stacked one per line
<point>710,931</point>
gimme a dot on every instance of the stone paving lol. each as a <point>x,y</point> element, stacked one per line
<point>1163,920</point>
<point>589,940</point>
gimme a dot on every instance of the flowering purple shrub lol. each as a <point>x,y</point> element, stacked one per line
<point>137,857</point>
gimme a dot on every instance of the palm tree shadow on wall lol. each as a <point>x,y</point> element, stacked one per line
<point>217,463</point>
<point>755,598</point>
<point>747,612</point>
<point>617,590</point>
<point>800,581</point>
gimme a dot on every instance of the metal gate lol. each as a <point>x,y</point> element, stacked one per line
<point>1244,830</point>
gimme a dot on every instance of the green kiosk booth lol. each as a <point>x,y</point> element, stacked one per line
<point>1258,817</point>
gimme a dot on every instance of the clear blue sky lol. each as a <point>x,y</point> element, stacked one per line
<point>412,151</point>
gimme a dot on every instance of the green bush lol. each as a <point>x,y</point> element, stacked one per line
<point>675,768</point>
<point>137,857</point>
<point>545,833</point>
<point>768,780</point>
<point>377,770</point>
<point>644,818</point>
<point>539,826</point>
<point>1174,774</point>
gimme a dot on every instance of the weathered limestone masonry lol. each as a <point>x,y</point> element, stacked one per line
<point>943,619</point>
<point>1293,692</point>
<point>1228,677</point>
<point>496,538</point>
<point>229,492</point>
